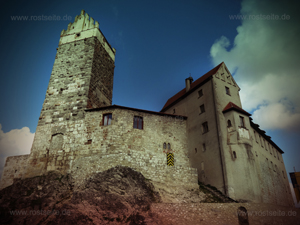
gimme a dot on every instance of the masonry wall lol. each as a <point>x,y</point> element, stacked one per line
<point>86,146</point>
<point>273,180</point>
<point>13,169</point>
<point>82,69</point>
<point>208,160</point>
<point>251,175</point>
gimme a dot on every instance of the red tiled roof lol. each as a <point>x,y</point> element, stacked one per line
<point>195,84</point>
<point>232,106</point>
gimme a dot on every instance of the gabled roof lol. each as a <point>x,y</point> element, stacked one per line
<point>232,106</point>
<point>181,94</point>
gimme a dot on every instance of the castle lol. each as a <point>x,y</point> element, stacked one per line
<point>201,134</point>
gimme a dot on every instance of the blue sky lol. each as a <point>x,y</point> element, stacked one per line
<point>158,43</point>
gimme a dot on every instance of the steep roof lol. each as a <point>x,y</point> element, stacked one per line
<point>232,106</point>
<point>181,94</point>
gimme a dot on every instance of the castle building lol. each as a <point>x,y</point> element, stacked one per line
<point>201,134</point>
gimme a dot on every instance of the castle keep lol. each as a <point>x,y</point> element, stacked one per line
<point>201,134</point>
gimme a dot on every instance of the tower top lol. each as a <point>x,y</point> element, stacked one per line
<point>82,22</point>
<point>85,27</point>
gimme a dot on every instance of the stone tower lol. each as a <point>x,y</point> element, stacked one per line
<point>82,77</point>
<point>82,74</point>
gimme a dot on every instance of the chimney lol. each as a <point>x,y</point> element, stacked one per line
<point>188,82</point>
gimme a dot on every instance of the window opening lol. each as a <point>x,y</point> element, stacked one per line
<point>204,127</point>
<point>227,90</point>
<point>138,122</point>
<point>107,119</point>
<point>202,109</point>
<point>229,123</point>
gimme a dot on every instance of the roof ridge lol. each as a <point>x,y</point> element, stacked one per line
<point>194,84</point>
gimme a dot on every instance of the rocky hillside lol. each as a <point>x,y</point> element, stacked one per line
<point>117,196</point>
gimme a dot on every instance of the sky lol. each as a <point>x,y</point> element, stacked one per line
<point>158,44</point>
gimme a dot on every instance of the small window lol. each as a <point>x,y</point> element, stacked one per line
<point>222,76</point>
<point>202,109</point>
<point>174,111</point>
<point>227,90</point>
<point>165,145</point>
<point>107,119</point>
<point>229,123</point>
<point>196,150</point>
<point>202,165</point>
<point>138,122</point>
<point>169,146</point>
<point>200,93</point>
<point>203,147</point>
<point>204,127</point>
<point>234,154</point>
<point>242,122</point>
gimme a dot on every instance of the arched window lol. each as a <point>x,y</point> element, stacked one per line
<point>169,146</point>
<point>165,145</point>
<point>229,123</point>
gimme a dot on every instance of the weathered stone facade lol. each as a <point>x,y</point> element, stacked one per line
<point>232,154</point>
<point>213,141</point>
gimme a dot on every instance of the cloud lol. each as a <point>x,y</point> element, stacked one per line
<point>264,58</point>
<point>14,142</point>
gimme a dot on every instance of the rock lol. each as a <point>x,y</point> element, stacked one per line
<point>119,195</point>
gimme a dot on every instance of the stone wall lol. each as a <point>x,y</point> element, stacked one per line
<point>101,83</point>
<point>13,169</point>
<point>89,146</point>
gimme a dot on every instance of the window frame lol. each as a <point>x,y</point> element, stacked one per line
<point>229,124</point>
<point>227,89</point>
<point>205,127</point>
<point>202,109</point>
<point>200,93</point>
<point>140,122</point>
<point>109,119</point>
<point>242,122</point>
